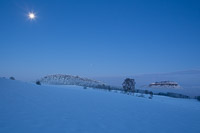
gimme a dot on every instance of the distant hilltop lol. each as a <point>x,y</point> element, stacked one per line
<point>164,84</point>
<point>62,79</point>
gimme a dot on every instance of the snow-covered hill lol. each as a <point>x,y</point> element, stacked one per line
<point>31,108</point>
<point>164,84</point>
<point>61,79</point>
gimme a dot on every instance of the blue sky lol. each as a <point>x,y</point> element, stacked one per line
<point>98,38</point>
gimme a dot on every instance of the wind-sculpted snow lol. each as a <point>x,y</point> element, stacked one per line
<point>31,108</point>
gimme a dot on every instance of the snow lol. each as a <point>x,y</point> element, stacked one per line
<point>26,107</point>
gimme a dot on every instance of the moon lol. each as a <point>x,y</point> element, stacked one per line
<point>31,16</point>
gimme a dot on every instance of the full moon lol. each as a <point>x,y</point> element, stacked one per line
<point>31,16</point>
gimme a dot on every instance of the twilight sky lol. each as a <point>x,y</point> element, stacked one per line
<point>98,38</point>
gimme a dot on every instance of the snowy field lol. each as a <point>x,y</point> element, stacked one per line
<point>29,108</point>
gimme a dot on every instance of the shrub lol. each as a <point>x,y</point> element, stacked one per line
<point>198,98</point>
<point>12,78</point>
<point>146,92</point>
<point>38,83</point>
<point>136,91</point>
<point>151,95</point>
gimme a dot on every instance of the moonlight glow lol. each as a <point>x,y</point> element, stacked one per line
<point>31,16</point>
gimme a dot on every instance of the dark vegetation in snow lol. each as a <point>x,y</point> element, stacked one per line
<point>12,78</point>
<point>129,85</point>
<point>198,98</point>
<point>38,82</point>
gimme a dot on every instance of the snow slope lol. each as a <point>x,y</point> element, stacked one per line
<point>29,108</point>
